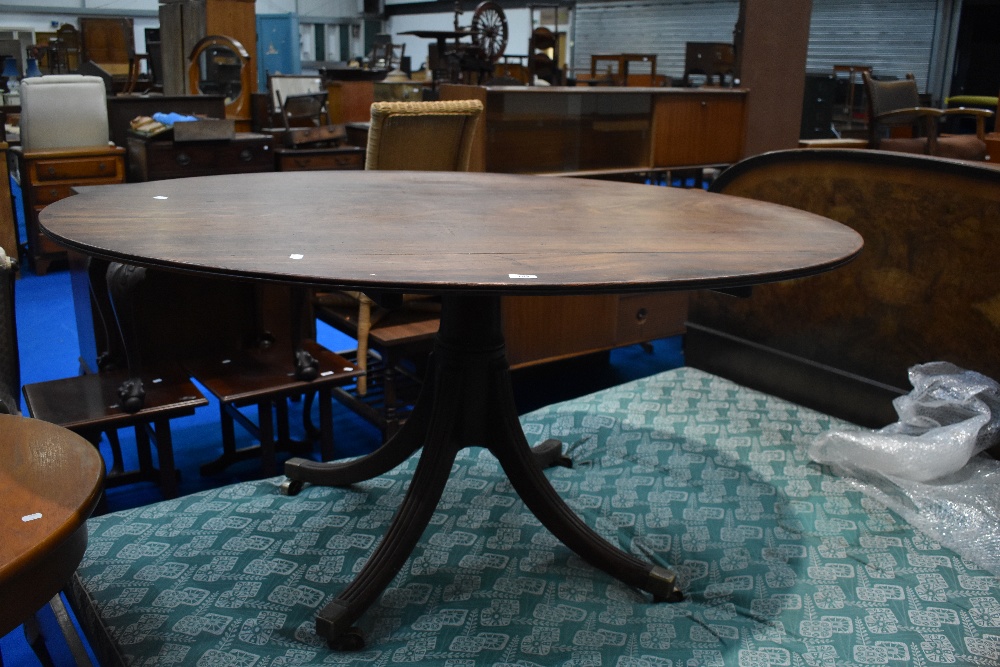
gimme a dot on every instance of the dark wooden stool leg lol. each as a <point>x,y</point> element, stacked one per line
<point>117,460</point>
<point>145,452</point>
<point>159,432</point>
<point>76,647</point>
<point>327,450</point>
<point>228,427</point>
<point>265,421</point>
<point>36,640</point>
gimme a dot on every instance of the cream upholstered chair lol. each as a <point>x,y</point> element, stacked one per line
<point>63,111</point>
<point>64,143</point>
<point>416,136</point>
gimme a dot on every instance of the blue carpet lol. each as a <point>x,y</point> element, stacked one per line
<point>49,350</point>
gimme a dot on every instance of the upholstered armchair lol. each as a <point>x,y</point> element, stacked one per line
<point>895,104</point>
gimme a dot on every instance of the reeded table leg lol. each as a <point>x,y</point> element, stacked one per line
<point>466,401</point>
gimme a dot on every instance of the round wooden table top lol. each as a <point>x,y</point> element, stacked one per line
<point>51,481</point>
<point>449,232</point>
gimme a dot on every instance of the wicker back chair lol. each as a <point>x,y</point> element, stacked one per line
<point>416,136</point>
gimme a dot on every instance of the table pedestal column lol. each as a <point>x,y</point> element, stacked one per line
<point>466,400</point>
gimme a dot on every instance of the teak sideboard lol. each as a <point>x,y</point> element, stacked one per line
<point>542,129</point>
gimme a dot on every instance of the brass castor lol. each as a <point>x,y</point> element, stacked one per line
<point>675,596</point>
<point>291,487</point>
<point>350,640</point>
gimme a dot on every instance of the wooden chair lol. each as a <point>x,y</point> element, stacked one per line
<point>896,104</point>
<point>421,136</point>
<point>109,44</point>
<point>262,377</point>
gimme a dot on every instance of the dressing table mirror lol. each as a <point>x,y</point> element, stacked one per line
<point>218,66</point>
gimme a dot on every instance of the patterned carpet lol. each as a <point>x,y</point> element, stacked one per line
<point>49,350</point>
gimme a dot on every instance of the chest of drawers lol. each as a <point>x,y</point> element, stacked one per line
<point>50,175</point>
<point>305,159</point>
<point>157,160</point>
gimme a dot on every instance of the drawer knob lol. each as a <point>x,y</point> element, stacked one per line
<point>641,315</point>
<point>102,166</point>
<point>246,155</point>
<point>53,193</point>
<point>183,159</point>
<point>52,171</point>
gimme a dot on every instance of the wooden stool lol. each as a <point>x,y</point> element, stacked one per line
<point>266,379</point>
<point>400,334</point>
<point>89,405</point>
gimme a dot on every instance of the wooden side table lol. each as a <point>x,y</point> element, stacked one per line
<point>50,175</point>
<point>51,480</point>
<point>622,60</point>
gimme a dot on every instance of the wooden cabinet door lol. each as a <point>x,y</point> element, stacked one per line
<point>698,129</point>
<point>546,328</point>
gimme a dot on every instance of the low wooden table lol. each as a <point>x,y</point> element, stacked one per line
<point>470,238</point>
<point>51,480</point>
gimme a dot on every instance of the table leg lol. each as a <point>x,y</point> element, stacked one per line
<point>466,401</point>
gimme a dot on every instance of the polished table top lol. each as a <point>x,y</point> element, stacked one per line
<point>471,238</point>
<point>449,232</point>
<point>51,480</point>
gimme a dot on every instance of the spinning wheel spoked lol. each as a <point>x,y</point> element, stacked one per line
<point>489,29</point>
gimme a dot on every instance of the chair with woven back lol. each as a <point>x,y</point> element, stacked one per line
<point>415,136</point>
<point>897,104</point>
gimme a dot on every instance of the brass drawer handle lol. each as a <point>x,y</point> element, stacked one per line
<point>246,155</point>
<point>183,159</point>
<point>641,315</point>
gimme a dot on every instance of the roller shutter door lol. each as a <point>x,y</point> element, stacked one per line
<point>893,37</point>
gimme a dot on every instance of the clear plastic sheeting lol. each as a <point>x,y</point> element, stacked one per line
<point>929,466</point>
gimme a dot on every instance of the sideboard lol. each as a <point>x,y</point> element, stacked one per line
<point>559,129</point>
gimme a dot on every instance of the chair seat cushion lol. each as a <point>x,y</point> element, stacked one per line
<point>916,145</point>
<point>780,561</point>
<point>961,147</point>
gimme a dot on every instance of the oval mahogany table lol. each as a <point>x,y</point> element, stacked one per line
<point>469,238</point>
<point>51,480</point>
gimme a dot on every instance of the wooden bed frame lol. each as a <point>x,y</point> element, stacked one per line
<point>925,288</point>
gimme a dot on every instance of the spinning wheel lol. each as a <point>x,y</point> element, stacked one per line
<point>454,61</point>
<point>489,30</point>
